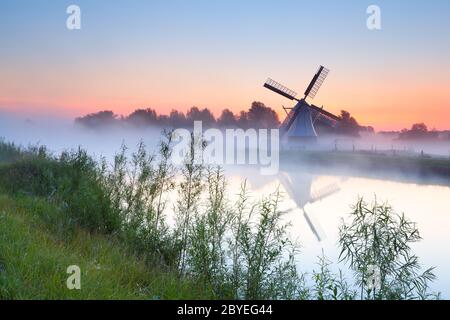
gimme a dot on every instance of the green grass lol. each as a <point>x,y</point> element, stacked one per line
<point>34,259</point>
<point>60,211</point>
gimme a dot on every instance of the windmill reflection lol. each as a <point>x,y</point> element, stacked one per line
<point>304,189</point>
<point>299,186</point>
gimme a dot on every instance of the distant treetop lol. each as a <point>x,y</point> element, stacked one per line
<point>257,116</point>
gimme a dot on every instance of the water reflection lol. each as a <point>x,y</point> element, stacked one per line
<point>316,200</point>
<point>299,187</point>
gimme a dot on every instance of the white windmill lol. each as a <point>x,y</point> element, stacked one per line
<point>298,129</point>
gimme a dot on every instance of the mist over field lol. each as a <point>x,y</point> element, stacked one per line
<point>224,150</point>
<point>314,197</point>
<point>59,134</point>
<point>62,133</point>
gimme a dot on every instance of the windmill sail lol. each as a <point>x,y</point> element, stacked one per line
<point>322,116</point>
<point>316,82</point>
<point>298,186</point>
<point>280,89</point>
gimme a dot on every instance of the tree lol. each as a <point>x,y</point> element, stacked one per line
<point>260,116</point>
<point>418,131</point>
<point>243,119</point>
<point>142,117</point>
<point>177,119</point>
<point>348,124</point>
<point>257,116</point>
<point>98,119</point>
<point>227,119</point>
<point>419,128</point>
<point>204,115</point>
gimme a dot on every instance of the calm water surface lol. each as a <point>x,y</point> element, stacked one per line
<point>315,201</point>
<point>316,204</point>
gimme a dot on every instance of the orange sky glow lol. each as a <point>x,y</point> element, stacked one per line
<point>218,54</point>
<point>386,105</point>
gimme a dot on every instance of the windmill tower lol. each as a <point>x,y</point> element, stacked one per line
<point>298,129</point>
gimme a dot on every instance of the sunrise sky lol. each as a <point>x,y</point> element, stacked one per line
<point>168,54</point>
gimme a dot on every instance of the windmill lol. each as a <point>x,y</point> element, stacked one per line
<point>298,128</point>
<point>298,186</point>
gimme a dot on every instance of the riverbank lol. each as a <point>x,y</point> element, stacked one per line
<point>43,232</point>
<point>69,211</point>
<point>374,164</point>
<point>36,250</point>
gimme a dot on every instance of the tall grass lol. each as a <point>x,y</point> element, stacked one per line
<point>189,193</point>
<point>377,240</point>
<point>206,252</point>
<point>34,256</point>
<point>138,188</point>
<point>239,250</point>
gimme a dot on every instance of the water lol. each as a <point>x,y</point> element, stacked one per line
<point>315,200</point>
<point>317,203</point>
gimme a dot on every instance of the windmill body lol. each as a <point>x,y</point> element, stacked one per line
<point>301,130</point>
<point>298,128</point>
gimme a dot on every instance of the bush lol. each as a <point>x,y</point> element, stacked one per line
<point>74,181</point>
<point>376,244</point>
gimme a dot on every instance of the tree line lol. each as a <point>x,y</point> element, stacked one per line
<point>257,116</point>
<point>419,131</point>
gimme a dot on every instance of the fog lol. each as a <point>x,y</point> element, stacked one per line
<point>315,198</point>
<point>59,133</point>
<point>387,144</point>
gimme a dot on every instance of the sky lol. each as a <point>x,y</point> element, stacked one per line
<point>175,54</point>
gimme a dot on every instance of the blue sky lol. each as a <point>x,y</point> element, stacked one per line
<point>175,54</point>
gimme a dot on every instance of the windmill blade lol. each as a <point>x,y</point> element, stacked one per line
<point>316,82</point>
<point>321,118</point>
<point>321,115</point>
<point>314,226</point>
<point>280,89</point>
<point>287,211</point>
<point>324,192</point>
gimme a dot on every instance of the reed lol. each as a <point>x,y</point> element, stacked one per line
<point>376,246</point>
<point>239,250</point>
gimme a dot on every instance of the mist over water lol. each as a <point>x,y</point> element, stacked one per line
<point>315,203</point>
<point>59,134</point>
<point>386,143</point>
<point>315,199</point>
